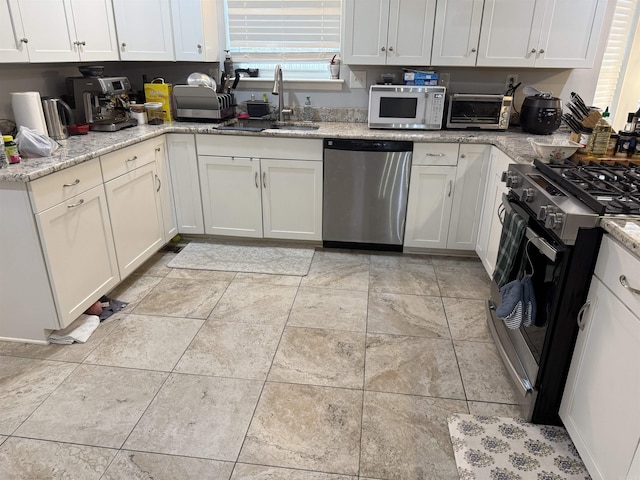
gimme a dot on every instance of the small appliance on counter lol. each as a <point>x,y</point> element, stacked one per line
<point>478,112</point>
<point>541,113</point>
<point>406,107</point>
<point>58,116</point>
<point>200,102</point>
<point>102,102</point>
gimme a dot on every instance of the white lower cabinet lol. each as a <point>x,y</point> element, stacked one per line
<point>600,406</point>
<point>490,224</point>
<point>79,252</point>
<point>165,191</point>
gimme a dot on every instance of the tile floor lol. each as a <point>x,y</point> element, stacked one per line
<point>347,373</point>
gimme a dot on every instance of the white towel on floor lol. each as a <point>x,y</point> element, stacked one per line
<point>79,331</point>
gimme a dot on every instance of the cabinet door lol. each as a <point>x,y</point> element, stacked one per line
<point>469,187</point>
<point>231,198</point>
<point>364,32</point>
<point>151,40</point>
<point>136,217</point>
<point>490,224</point>
<point>573,47</point>
<point>48,24</point>
<point>165,192</point>
<point>410,32</point>
<point>79,251</point>
<point>95,30</point>
<point>185,182</point>
<point>195,35</point>
<point>292,199</point>
<point>429,206</point>
<point>456,32</point>
<point>600,407</point>
<point>510,32</point>
<point>12,38</point>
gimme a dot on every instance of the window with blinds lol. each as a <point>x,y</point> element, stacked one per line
<point>616,54</point>
<point>302,35</point>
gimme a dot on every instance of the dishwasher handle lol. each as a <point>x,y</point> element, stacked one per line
<point>367,145</point>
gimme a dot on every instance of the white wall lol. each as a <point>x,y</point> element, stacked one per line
<point>630,91</point>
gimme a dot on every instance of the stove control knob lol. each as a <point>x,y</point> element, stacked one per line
<point>542,212</point>
<point>527,195</point>
<point>554,220</point>
<point>512,180</point>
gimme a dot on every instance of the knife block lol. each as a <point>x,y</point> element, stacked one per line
<point>591,120</point>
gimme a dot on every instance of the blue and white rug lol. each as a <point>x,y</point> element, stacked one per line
<point>500,448</point>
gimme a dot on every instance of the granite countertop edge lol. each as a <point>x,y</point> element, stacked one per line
<point>79,149</point>
<point>625,230</point>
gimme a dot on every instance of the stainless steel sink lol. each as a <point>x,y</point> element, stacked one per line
<point>286,126</point>
<point>259,125</point>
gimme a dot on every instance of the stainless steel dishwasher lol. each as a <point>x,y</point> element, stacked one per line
<point>366,183</point>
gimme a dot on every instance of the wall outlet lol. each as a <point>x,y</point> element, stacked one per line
<point>358,79</point>
<point>511,81</point>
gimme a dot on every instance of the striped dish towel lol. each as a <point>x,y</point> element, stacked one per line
<point>513,231</point>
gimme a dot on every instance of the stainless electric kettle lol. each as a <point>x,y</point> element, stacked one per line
<point>58,116</point>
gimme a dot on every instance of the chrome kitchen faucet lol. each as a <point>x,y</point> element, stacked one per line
<point>278,89</point>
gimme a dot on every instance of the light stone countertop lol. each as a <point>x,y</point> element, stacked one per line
<point>625,230</point>
<point>78,149</point>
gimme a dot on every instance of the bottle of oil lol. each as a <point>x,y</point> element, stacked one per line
<point>599,140</point>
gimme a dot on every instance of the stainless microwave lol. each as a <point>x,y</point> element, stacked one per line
<point>406,107</point>
<point>476,111</point>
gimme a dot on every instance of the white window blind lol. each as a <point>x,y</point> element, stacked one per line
<point>616,53</point>
<point>283,30</point>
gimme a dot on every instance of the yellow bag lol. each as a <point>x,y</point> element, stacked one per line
<point>158,91</point>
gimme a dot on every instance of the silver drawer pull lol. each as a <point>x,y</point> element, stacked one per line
<point>132,159</point>
<point>264,179</point>
<point>581,313</point>
<point>71,184</point>
<point>73,205</point>
<point>450,188</point>
<point>256,180</point>
<point>434,154</point>
<point>159,183</point>
<point>625,284</point>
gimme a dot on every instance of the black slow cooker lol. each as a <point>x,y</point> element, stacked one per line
<point>541,114</point>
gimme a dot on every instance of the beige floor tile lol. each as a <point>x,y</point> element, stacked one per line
<point>197,416</point>
<point>156,266</point>
<point>95,405</point>
<point>411,279</point>
<point>463,282</point>
<point>412,365</point>
<point>340,256</point>
<point>75,352</point>
<point>407,315</point>
<point>316,356</point>
<point>494,409</point>
<point>204,275</point>
<point>243,471</point>
<point>255,303</point>
<point>406,437</point>
<point>306,427</point>
<point>457,261</point>
<point>24,384</point>
<point>289,280</point>
<point>146,342</point>
<point>130,465</point>
<point>347,272</point>
<point>175,297</point>
<point>238,350</point>
<point>483,374</point>
<point>25,458</point>
<point>331,309</point>
<point>398,260</point>
<point>2,439</point>
<point>133,289</point>
<point>467,319</point>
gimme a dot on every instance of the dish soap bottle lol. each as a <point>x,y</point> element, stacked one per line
<point>307,114</point>
<point>228,64</point>
<point>599,139</point>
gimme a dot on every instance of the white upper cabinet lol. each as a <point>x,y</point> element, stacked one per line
<point>456,32</point>
<point>195,30</point>
<point>69,30</point>
<point>144,29</point>
<point>13,42</point>
<point>539,35</point>
<point>387,32</point>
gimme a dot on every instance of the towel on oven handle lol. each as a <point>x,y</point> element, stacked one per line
<point>511,308</point>
<point>513,231</point>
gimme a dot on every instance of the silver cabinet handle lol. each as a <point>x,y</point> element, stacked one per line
<point>450,188</point>
<point>541,51</point>
<point>474,50</point>
<point>391,49</point>
<point>625,284</point>
<point>383,49</point>
<point>73,205</point>
<point>76,43</point>
<point>434,154</point>
<point>159,183</point>
<point>199,47</point>
<point>132,159</point>
<point>533,50</point>
<point>463,155</point>
<point>158,149</point>
<point>71,184</point>
<point>581,312</point>
<point>123,45</point>
<point>83,43</point>
<point>256,180</point>
<point>264,179</point>
<point>24,40</point>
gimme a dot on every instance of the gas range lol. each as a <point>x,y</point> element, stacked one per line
<point>573,194</point>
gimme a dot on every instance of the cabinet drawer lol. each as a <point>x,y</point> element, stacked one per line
<point>259,147</point>
<point>122,161</point>
<point>613,261</point>
<point>435,154</point>
<point>61,186</point>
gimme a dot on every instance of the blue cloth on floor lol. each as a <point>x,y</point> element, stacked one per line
<point>511,308</point>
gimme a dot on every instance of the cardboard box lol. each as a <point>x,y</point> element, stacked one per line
<point>160,92</point>
<point>420,78</point>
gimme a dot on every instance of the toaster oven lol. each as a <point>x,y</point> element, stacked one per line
<point>477,111</point>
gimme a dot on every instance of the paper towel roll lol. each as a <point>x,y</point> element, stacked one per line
<point>27,110</point>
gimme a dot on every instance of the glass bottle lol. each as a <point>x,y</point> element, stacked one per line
<point>307,113</point>
<point>599,140</point>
